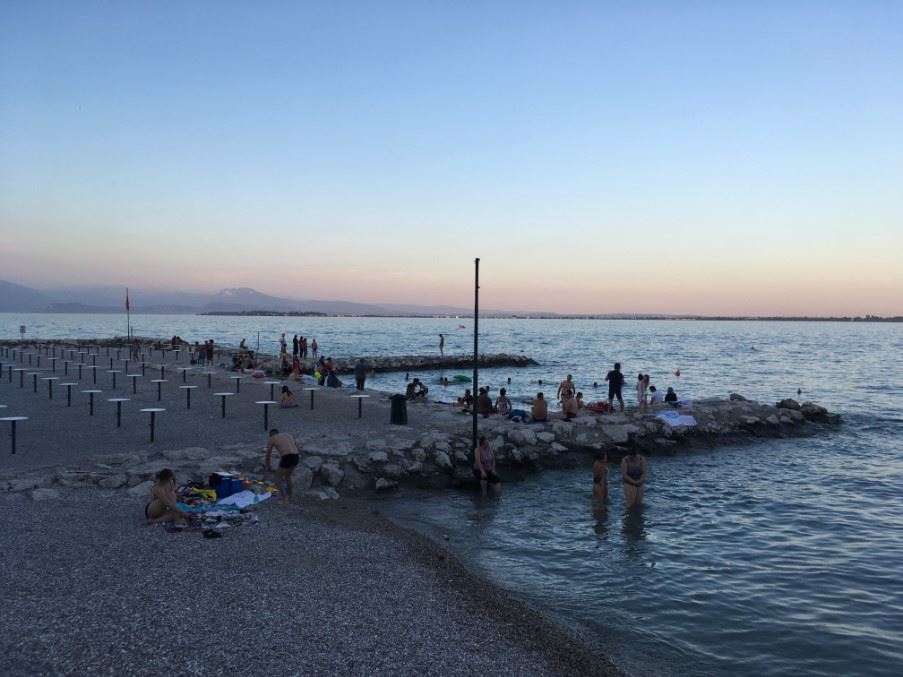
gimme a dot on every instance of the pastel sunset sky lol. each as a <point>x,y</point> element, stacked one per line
<point>674,157</point>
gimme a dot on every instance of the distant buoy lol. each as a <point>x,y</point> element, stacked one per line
<point>677,373</point>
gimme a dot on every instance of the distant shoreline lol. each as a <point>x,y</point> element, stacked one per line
<point>490,316</point>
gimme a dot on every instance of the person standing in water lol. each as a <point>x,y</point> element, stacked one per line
<point>633,473</point>
<point>442,345</point>
<point>484,467</point>
<point>600,480</point>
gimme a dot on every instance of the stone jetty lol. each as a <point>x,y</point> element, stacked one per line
<point>436,452</point>
<point>418,363</point>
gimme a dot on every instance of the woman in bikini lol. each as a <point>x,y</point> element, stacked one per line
<point>162,505</point>
<point>633,473</point>
<point>600,480</point>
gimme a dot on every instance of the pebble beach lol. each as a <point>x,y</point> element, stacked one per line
<point>322,587</point>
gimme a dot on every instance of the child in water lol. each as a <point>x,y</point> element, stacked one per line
<point>600,480</point>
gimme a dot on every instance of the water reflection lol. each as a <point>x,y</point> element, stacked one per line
<point>633,528</point>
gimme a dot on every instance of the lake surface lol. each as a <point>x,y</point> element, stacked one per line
<point>765,558</point>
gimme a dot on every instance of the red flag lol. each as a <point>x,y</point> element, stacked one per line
<point>127,306</point>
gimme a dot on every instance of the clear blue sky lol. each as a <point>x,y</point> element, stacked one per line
<point>729,157</point>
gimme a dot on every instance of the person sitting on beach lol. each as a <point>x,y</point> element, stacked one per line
<point>162,506</point>
<point>600,480</point>
<point>287,399</point>
<point>284,367</point>
<point>654,396</point>
<point>466,401</point>
<point>565,389</point>
<point>289,455</point>
<point>484,403</point>
<point>540,408</point>
<point>484,467</point>
<point>416,390</point>
<point>633,474</point>
<point>503,404</point>
<point>671,396</point>
<point>580,402</point>
<point>241,345</point>
<point>569,407</point>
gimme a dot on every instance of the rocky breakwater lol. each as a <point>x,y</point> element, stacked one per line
<point>436,452</point>
<point>418,363</point>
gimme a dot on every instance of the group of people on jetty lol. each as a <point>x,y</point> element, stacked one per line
<point>572,401</point>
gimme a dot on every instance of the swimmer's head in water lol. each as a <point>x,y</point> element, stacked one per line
<point>273,431</point>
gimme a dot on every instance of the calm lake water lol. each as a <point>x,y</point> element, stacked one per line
<point>766,558</point>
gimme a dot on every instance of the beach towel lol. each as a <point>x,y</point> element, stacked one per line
<point>675,418</point>
<point>242,499</point>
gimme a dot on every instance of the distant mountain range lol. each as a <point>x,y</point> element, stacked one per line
<point>104,299</point>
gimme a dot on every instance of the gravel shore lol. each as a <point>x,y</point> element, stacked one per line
<point>326,589</point>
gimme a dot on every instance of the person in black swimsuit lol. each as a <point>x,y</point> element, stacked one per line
<point>633,473</point>
<point>289,455</point>
<point>615,382</point>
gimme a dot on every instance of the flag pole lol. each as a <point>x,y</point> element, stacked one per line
<point>128,316</point>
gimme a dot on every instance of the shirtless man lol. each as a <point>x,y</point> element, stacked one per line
<point>442,345</point>
<point>566,386</point>
<point>289,455</point>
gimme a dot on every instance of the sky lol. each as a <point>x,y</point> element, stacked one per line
<point>729,158</point>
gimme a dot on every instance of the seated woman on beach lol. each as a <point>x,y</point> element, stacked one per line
<point>633,473</point>
<point>569,406</point>
<point>600,480</point>
<point>540,408</point>
<point>484,403</point>
<point>671,396</point>
<point>503,404</point>
<point>466,401</point>
<point>484,467</point>
<point>162,504</point>
<point>287,399</point>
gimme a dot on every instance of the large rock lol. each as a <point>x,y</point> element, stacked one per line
<point>332,473</point>
<point>382,484</point>
<point>813,412</point>
<point>302,478</point>
<point>736,397</point>
<point>120,459</point>
<point>188,454</point>
<point>378,457</point>
<point>522,437</point>
<point>75,479</point>
<point>442,460</point>
<point>789,404</point>
<point>45,494</point>
<point>112,481</point>
<point>25,484</point>
<point>324,494</point>
<point>313,462</point>
<point>619,434</point>
<point>546,437</point>
<point>141,490</point>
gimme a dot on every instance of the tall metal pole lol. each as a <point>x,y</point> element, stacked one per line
<point>476,353</point>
